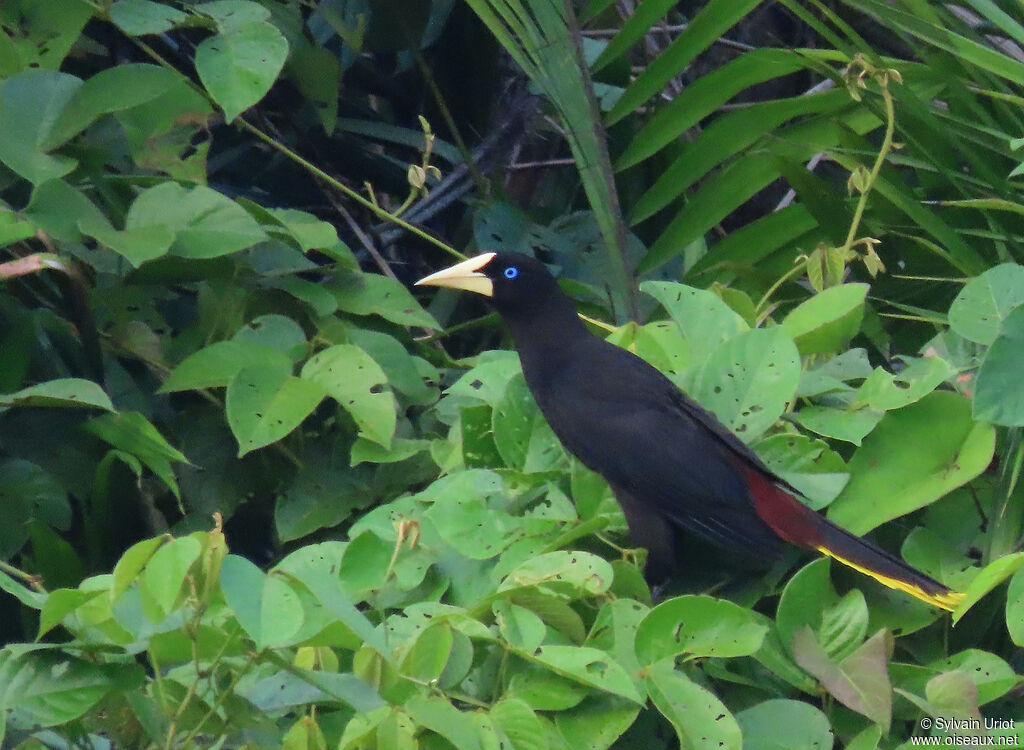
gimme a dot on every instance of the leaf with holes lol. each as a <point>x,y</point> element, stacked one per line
<point>703,318</point>
<point>589,666</point>
<point>264,404</point>
<point>748,380</point>
<point>573,572</point>
<point>66,392</point>
<point>699,626</point>
<point>521,434</point>
<point>358,384</point>
<point>701,721</point>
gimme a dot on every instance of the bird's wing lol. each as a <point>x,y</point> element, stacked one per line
<point>623,425</point>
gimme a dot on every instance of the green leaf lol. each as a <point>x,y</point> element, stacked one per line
<point>713,20</point>
<point>458,727</point>
<point>317,74</point>
<point>134,559</point>
<point>850,425</point>
<point>698,626</point>
<point>215,365</point>
<point>521,434</point>
<point>991,676</point>
<point>59,604</point>
<point>357,383</point>
<point>522,728</point>
<point>596,722</point>
<point>464,517</point>
<point>136,245</point>
<point>748,380</point>
<point>882,391</point>
<point>804,600</point>
<point>322,494</point>
<point>133,433</point>
<point>140,17</point>
<point>28,492</point>
<point>1015,608</point>
<point>426,659</point>
<point>240,64</point>
<point>985,301</point>
<point>704,95</point>
<point>49,688</point>
<point>948,450</point>
<point>266,607</point>
<point>264,404</point>
<point>166,570</point>
<point>316,567</point>
<point>276,332</point>
<point>30,104</point>
<point>860,681</point>
<point>703,318</point>
<point>582,573</point>
<point>205,223</point>
<point>998,397</point>
<point>589,666</point>
<point>827,321</point>
<point>373,294</point>
<point>784,725</point>
<point>990,576</point>
<point>523,629</point>
<point>66,392</point>
<point>115,89</point>
<point>810,465</point>
<point>701,721</point>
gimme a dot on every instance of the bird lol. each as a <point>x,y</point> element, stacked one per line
<point>672,465</point>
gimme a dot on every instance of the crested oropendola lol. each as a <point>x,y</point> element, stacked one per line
<point>671,464</point>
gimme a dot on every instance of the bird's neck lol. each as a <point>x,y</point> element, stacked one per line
<point>546,331</point>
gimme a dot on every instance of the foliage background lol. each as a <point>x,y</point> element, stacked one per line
<point>235,512</point>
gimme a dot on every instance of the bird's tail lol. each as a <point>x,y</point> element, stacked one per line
<point>798,524</point>
<point>860,555</point>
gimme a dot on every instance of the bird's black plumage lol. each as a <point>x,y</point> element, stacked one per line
<point>671,464</point>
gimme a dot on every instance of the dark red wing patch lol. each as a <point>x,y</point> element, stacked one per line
<point>787,516</point>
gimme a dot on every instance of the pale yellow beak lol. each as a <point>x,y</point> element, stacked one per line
<point>465,275</point>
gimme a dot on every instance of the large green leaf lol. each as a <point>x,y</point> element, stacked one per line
<point>30,105</point>
<point>998,396</point>
<point>265,606</point>
<point>749,380</point>
<point>205,223</point>
<point>240,64</point>
<point>948,449</point>
<point>778,724</point>
<point>698,626</point>
<point>358,384</point>
<point>985,301</point>
<point>701,720</point>
<point>266,403</point>
<point>704,320</point>
<point>827,321</point>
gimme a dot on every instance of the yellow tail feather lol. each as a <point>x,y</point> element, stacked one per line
<point>947,600</point>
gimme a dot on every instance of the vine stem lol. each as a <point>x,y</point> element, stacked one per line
<point>883,152</point>
<point>343,188</point>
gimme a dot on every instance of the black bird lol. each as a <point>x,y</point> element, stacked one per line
<point>671,464</point>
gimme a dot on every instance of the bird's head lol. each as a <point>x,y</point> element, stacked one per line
<point>511,281</point>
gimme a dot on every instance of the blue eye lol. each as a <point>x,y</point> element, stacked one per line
<point>511,272</point>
